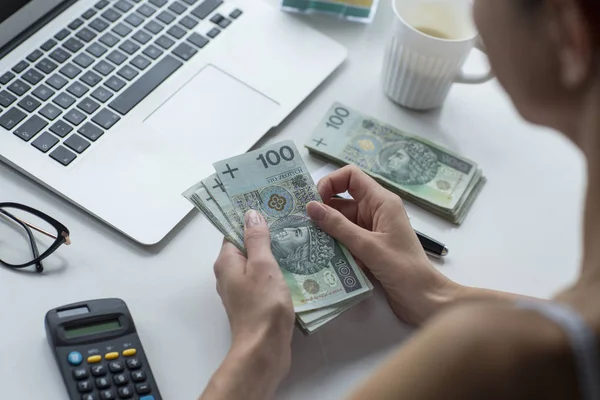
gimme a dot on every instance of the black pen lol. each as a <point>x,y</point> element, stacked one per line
<point>431,246</point>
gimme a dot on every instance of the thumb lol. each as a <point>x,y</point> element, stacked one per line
<point>256,236</point>
<point>334,223</point>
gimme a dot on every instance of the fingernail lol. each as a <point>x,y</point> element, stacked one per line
<point>252,218</point>
<point>316,210</point>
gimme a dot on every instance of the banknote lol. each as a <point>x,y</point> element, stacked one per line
<point>415,168</point>
<point>275,182</point>
<point>215,188</point>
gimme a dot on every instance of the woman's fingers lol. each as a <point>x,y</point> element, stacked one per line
<point>351,179</point>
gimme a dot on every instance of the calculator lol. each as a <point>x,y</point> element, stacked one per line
<point>99,353</point>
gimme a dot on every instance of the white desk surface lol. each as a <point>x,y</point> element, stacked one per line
<point>522,235</point>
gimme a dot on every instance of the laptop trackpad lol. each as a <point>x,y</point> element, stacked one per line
<point>214,116</point>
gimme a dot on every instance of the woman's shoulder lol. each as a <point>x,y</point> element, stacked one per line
<point>520,352</point>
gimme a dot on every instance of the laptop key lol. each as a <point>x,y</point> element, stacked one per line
<point>6,99</point>
<point>140,62</point>
<point>134,20</point>
<point>141,37</point>
<point>177,32</point>
<point>62,34</point>
<point>29,104</point>
<point>7,77</point>
<point>96,49</point>
<point>215,19</point>
<point>104,68</point>
<point>99,25</point>
<point>75,24</point>
<point>129,47</point>
<point>158,3</point>
<point>86,35</point>
<point>224,23</point>
<point>63,156</point>
<point>73,45</point>
<point>77,143</point>
<point>78,89</point>
<point>165,42</point>
<point>75,117</point>
<point>206,7</point>
<point>115,83</point>
<point>188,22</point>
<point>90,131</point>
<point>19,87</point>
<point>165,17</point>
<point>116,57</point>
<point>46,66</point>
<point>35,55</point>
<point>32,77</point>
<point>123,6</point>
<point>101,4</point>
<point>177,8</point>
<point>235,13</point>
<point>112,15</point>
<point>60,56</point>
<point>127,72</point>
<point>83,60</point>
<point>213,33</point>
<point>70,71</point>
<point>146,10</point>
<point>122,29</point>
<point>43,92</point>
<point>64,100</point>
<point>91,78</point>
<point>20,67</point>
<point>61,128</point>
<point>30,128</point>
<point>12,118</point>
<point>190,2</point>
<point>50,111</point>
<point>153,52</point>
<point>50,43</point>
<point>154,27</point>
<point>109,39</point>
<point>141,88</point>
<point>88,14</point>
<point>56,81</point>
<point>106,118</point>
<point>102,94</point>
<point>45,142</point>
<point>198,40</point>
<point>88,106</point>
<point>185,51</point>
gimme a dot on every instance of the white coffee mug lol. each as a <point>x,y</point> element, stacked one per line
<point>430,42</point>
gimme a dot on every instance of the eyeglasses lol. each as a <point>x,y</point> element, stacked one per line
<point>28,236</point>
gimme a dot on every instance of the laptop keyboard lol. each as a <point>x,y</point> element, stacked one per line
<point>78,85</point>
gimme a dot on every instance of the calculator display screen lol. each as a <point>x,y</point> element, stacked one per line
<point>89,329</point>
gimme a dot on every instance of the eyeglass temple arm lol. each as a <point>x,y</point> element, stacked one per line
<point>40,230</point>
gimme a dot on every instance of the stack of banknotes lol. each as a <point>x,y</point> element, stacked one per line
<point>322,275</point>
<point>419,171</point>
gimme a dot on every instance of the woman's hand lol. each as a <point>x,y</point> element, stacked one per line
<point>260,311</point>
<point>375,228</point>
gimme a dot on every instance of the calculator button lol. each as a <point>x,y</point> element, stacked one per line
<point>120,379</point>
<point>125,392</point>
<point>89,396</point>
<point>116,366</point>
<point>150,397</point>
<point>80,373</point>
<point>111,356</point>
<point>84,386</point>
<point>75,358</point>
<point>138,376</point>
<point>102,383</point>
<point>107,395</point>
<point>98,370</point>
<point>129,352</point>
<point>133,363</point>
<point>94,359</point>
<point>142,388</point>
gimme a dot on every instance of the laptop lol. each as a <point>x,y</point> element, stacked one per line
<point>119,106</point>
